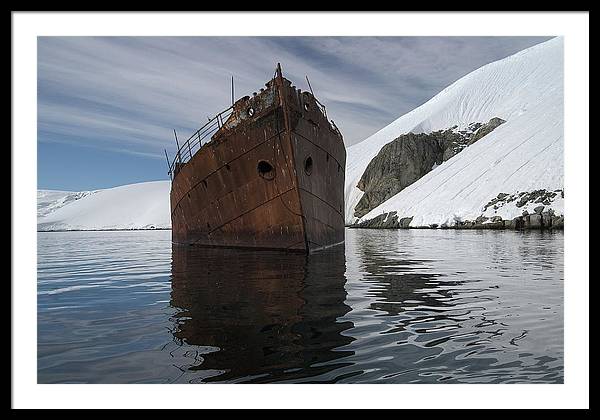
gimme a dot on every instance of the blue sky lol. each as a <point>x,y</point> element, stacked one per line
<point>107,106</point>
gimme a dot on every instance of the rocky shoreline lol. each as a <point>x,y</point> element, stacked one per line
<point>540,220</point>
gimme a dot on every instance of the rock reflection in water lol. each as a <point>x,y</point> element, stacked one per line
<point>400,281</point>
<point>260,316</point>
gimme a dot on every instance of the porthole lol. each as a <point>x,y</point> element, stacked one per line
<point>308,165</point>
<point>250,111</point>
<point>266,170</point>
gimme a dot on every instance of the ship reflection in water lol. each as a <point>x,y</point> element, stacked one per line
<point>261,316</point>
<point>389,306</point>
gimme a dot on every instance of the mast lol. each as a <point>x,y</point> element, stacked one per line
<point>177,142</point>
<point>309,86</point>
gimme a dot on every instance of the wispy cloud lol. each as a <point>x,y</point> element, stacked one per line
<point>121,93</point>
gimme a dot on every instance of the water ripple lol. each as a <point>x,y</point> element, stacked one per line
<point>391,306</point>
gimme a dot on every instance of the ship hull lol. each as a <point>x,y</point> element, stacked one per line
<point>270,181</point>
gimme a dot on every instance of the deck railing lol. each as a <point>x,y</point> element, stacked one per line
<point>202,136</point>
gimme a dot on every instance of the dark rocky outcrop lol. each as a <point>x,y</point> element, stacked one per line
<point>410,156</point>
<point>541,196</point>
<point>397,165</point>
<point>384,221</point>
<point>543,216</point>
<point>546,220</point>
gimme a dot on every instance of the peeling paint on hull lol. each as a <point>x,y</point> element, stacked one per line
<point>271,177</point>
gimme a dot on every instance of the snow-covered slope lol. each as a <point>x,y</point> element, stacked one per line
<point>50,200</point>
<point>136,206</point>
<point>524,154</point>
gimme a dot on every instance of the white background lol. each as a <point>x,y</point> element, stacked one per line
<point>26,393</point>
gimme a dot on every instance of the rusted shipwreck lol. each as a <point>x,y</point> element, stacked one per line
<point>266,173</point>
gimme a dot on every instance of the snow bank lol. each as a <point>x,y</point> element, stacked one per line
<point>524,154</point>
<point>51,200</point>
<point>136,206</point>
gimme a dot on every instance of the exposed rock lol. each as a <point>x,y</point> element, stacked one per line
<point>547,219</point>
<point>405,222</point>
<point>481,219</point>
<point>371,223</point>
<point>391,222</point>
<point>410,156</point>
<point>383,221</point>
<point>539,209</point>
<point>534,221</point>
<point>397,165</point>
<point>523,198</point>
<point>498,224</point>
<point>456,144</point>
<point>517,223</point>
<point>496,202</point>
<point>463,224</point>
<point>486,129</point>
<point>558,222</point>
<point>490,225</point>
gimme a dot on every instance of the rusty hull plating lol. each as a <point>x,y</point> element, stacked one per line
<point>270,177</point>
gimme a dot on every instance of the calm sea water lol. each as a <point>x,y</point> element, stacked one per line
<point>391,306</point>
